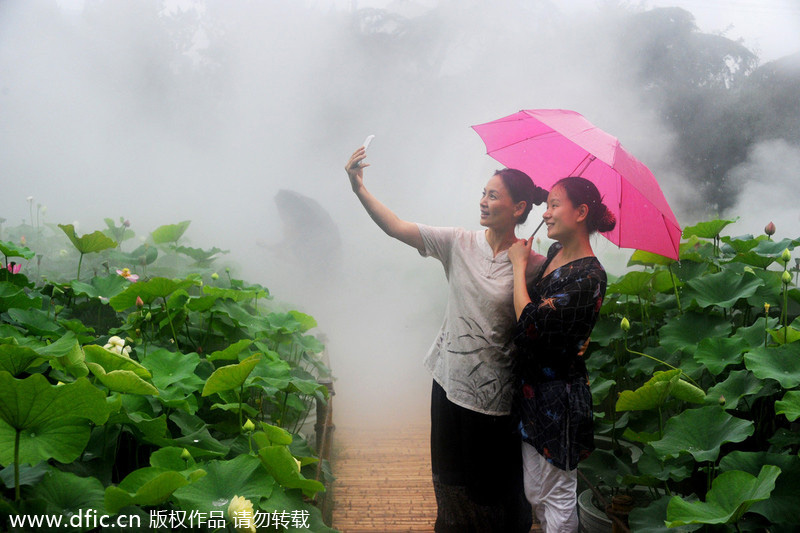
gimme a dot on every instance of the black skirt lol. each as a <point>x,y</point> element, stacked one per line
<point>477,470</point>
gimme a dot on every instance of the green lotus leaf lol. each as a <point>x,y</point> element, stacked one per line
<point>111,361</point>
<point>28,475</point>
<point>142,256</point>
<point>634,283</point>
<point>105,286</point>
<point>230,377</point>
<point>753,258</point>
<point>656,391</point>
<point>781,506</point>
<point>53,421</point>
<point>170,232</point>
<point>708,229</point>
<point>307,322</point>
<point>173,370</point>
<point>742,243</point>
<point>231,352</point>
<point>754,335</point>
<point>200,255</point>
<point>603,467</point>
<point>732,494</point>
<point>650,519</point>
<point>717,353</point>
<point>149,290</point>
<point>781,363</point>
<point>248,410</point>
<point>195,436</point>
<point>237,295</point>
<point>37,322</point>
<point>171,458</point>
<point>664,281</point>
<point>695,250</point>
<point>775,248</point>
<point>687,330</point>
<point>601,387</point>
<point>275,434</point>
<point>124,381</point>
<point>785,335</point>
<point>66,493</point>
<point>12,296</point>
<point>738,384</point>
<point>10,249</point>
<point>16,359</point>
<point>789,405</point>
<point>281,499</point>
<point>91,242</point>
<point>145,486</point>
<point>640,257</point>
<point>673,468</point>
<point>701,432</point>
<point>281,465</point>
<point>68,355</point>
<point>241,476</point>
<point>722,289</point>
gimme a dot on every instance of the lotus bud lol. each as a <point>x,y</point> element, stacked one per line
<point>127,223</point>
<point>185,455</point>
<point>299,464</point>
<point>126,351</point>
<point>139,302</point>
<point>148,316</point>
<point>23,240</point>
<point>215,276</point>
<point>249,426</point>
<point>786,277</point>
<point>769,229</point>
<point>749,269</point>
<point>786,256</point>
<point>766,308</point>
<point>624,324</point>
<point>721,399</point>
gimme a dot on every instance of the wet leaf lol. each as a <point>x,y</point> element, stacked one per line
<point>111,361</point>
<point>149,290</point>
<point>781,363</point>
<point>231,352</point>
<point>739,384</point>
<point>657,390</point>
<point>707,230</point>
<point>650,519</point>
<point>281,465</point>
<point>732,494</point>
<point>124,381</point>
<point>10,249</point>
<point>230,377</point>
<point>717,353</point>
<point>634,283</point>
<point>640,257</point>
<point>722,289</point>
<point>170,232</point>
<point>789,405</point>
<point>689,329</point>
<point>700,432</point>
<point>91,242</point>
<point>66,493</point>
<point>145,486</point>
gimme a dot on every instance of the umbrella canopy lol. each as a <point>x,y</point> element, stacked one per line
<point>550,144</point>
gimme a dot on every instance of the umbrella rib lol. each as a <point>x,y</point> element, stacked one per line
<point>591,159</point>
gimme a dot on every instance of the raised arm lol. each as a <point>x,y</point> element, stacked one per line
<point>518,254</point>
<point>391,224</point>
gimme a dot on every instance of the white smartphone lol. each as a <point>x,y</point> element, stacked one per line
<point>366,144</point>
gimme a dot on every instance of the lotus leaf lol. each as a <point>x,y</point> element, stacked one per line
<point>701,432</point>
<point>241,476</point>
<point>717,353</point>
<point>754,335</point>
<point>675,469</point>
<point>281,465</point>
<point>149,290</point>
<point>68,353</point>
<point>634,283</point>
<point>640,257</point>
<point>732,494</point>
<point>145,486</point>
<point>231,352</point>
<point>105,286</point>
<point>738,384</point>
<point>656,391</point>
<point>14,297</point>
<point>230,377</point>
<point>687,330</point>
<point>36,322</point>
<point>16,359</point>
<point>722,289</point>
<point>52,421</point>
<point>650,519</point>
<point>171,458</point>
<point>708,229</point>
<point>785,335</point>
<point>10,249</point>
<point>789,405</point>
<point>111,361</point>
<point>280,500</point>
<point>768,247</point>
<point>124,381</point>
<point>781,507</point>
<point>781,363</point>
<point>199,255</point>
<point>170,232</point>
<point>91,242</point>
<point>66,493</point>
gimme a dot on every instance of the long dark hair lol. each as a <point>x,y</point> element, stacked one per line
<point>522,189</point>
<point>582,191</point>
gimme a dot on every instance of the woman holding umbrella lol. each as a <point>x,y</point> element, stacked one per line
<point>475,456</point>
<point>554,321</point>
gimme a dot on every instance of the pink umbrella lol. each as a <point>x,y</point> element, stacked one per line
<point>550,144</point>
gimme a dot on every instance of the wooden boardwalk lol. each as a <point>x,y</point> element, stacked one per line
<point>383,480</point>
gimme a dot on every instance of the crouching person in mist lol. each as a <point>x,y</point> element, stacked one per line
<point>475,452</point>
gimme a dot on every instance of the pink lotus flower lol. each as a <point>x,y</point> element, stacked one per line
<point>127,274</point>
<point>13,267</point>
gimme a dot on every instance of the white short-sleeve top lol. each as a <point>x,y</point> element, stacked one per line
<point>471,356</point>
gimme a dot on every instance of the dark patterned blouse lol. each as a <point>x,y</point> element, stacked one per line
<point>553,399</point>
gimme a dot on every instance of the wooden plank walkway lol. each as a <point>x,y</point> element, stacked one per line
<point>383,480</point>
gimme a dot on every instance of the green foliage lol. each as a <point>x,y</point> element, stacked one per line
<point>98,373</point>
<point>706,382</point>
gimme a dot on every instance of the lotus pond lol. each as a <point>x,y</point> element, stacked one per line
<point>136,380</point>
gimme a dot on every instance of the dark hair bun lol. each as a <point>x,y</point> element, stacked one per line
<point>606,221</point>
<point>539,195</point>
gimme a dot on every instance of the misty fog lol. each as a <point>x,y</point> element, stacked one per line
<point>204,111</point>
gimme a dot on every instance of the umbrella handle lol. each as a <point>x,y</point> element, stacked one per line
<point>537,228</point>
